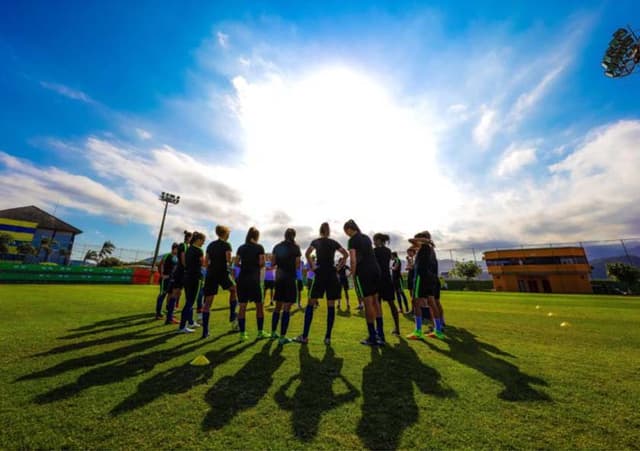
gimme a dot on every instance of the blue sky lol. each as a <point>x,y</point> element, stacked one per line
<point>482,121</point>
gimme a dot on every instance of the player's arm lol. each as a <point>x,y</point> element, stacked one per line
<point>353,258</point>
<point>261,261</point>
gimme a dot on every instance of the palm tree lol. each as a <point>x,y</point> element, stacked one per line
<point>107,249</point>
<point>90,255</point>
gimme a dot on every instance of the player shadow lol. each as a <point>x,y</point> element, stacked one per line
<point>106,329</point>
<point>466,349</point>
<point>108,322</point>
<point>314,394</point>
<point>136,334</point>
<point>118,371</point>
<point>180,379</point>
<point>389,405</point>
<point>343,313</point>
<point>98,359</point>
<point>244,390</point>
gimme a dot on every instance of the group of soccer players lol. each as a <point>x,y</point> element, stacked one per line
<point>375,269</point>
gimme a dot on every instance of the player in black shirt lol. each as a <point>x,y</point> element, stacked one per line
<point>165,269</point>
<point>192,272</point>
<point>218,259</point>
<point>344,279</point>
<point>250,257</point>
<point>285,259</point>
<point>426,285</point>
<point>366,273</point>
<point>177,279</point>
<point>325,280</point>
<point>385,286</point>
<point>398,286</point>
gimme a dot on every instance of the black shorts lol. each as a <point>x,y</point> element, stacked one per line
<point>215,280</point>
<point>269,284</point>
<point>366,283</point>
<point>325,283</point>
<point>385,289</point>
<point>249,290</point>
<point>165,285</point>
<point>177,281</point>
<point>410,279</point>
<point>425,285</point>
<point>286,290</point>
<point>344,282</point>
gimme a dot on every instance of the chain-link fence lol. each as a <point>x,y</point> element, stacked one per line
<point>89,254</point>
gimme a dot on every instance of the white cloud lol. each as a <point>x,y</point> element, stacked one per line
<point>514,159</point>
<point>529,99</point>
<point>143,134</point>
<point>67,92</point>
<point>486,128</point>
<point>223,39</point>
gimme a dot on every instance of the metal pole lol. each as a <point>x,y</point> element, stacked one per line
<point>155,253</point>
<point>626,253</point>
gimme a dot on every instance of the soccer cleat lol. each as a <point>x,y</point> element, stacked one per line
<point>204,336</point>
<point>263,334</point>
<point>380,341</point>
<point>159,316</point>
<point>194,325</point>
<point>327,341</point>
<point>274,335</point>
<point>244,336</point>
<point>436,334</point>
<point>173,321</point>
<point>185,330</point>
<point>416,335</point>
<point>284,340</point>
<point>395,332</point>
<point>302,340</point>
<point>368,342</point>
<point>235,326</point>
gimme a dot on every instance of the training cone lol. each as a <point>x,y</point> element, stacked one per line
<point>564,324</point>
<point>200,361</point>
<point>537,307</point>
<point>549,314</point>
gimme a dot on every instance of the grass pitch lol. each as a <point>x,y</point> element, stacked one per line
<point>88,367</point>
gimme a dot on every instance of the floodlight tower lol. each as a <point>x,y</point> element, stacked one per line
<point>167,198</point>
<point>622,55</point>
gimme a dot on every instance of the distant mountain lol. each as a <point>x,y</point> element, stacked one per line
<point>599,265</point>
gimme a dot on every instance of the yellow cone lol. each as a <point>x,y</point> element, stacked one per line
<point>537,307</point>
<point>549,314</point>
<point>200,361</point>
<point>564,324</point>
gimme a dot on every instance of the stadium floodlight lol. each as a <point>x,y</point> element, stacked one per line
<point>167,198</point>
<point>622,55</point>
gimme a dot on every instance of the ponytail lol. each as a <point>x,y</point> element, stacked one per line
<point>290,235</point>
<point>252,234</point>
<point>381,237</point>
<point>324,229</point>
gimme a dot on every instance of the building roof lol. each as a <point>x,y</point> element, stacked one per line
<point>44,219</point>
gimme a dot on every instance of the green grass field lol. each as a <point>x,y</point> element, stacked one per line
<point>89,367</point>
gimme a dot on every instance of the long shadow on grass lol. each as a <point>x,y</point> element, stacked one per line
<point>314,395</point>
<point>124,325</point>
<point>233,394</point>
<point>118,371</point>
<point>389,405</point>
<point>97,359</point>
<point>177,380</point>
<point>112,321</point>
<point>466,349</point>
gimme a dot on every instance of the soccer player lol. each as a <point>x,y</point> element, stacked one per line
<point>398,286</point>
<point>411,255</point>
<point>269,279</point>
<point>344,280</point>
<point>426,283</point>
<point>385,285</point>
<point>250,257</point>
<point>165,269</point>
<point>192,273</point>
<point>366,273</point>
<point>325,282</point>
<point>177,279</point>
<point>218,259</point>
<point>285,259</point>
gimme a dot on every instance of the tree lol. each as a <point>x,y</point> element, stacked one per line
<point>90,255</point>
<point>626,274</point>
<point>47,245</point>
<point>467,270</point>
<point>107,249</point>
<point>5,240</point>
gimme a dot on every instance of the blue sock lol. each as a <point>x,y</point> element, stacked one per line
<point>379,327</point>
<point>274,320</point>
<point>159,303</point>
<point>205,324</point>
<point>232,310</point>
<point>331,316</point>
<point>260,323</point>
<point>438,324</point>
<point>418,322</point>
<point>308,317</point>
<point>426,313</point>
<point>285,323</point>
<point>170,306</point>
<point>372,332</point>
<point>241,323</point>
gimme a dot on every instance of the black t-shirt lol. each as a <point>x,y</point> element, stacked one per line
<point>426,263</point>
<point>167,264</point>
<point>383,257</point>
<point>193,261</point>
<point>343,272</point>
<point>182,249</point>
<point>325,253</point>
<point>284,255</point>
<point>365,257</point>
<point>217,254</point>
<point>249,254</point>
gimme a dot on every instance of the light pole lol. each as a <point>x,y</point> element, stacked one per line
<point>167,198</point>
<point>622,55</point>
